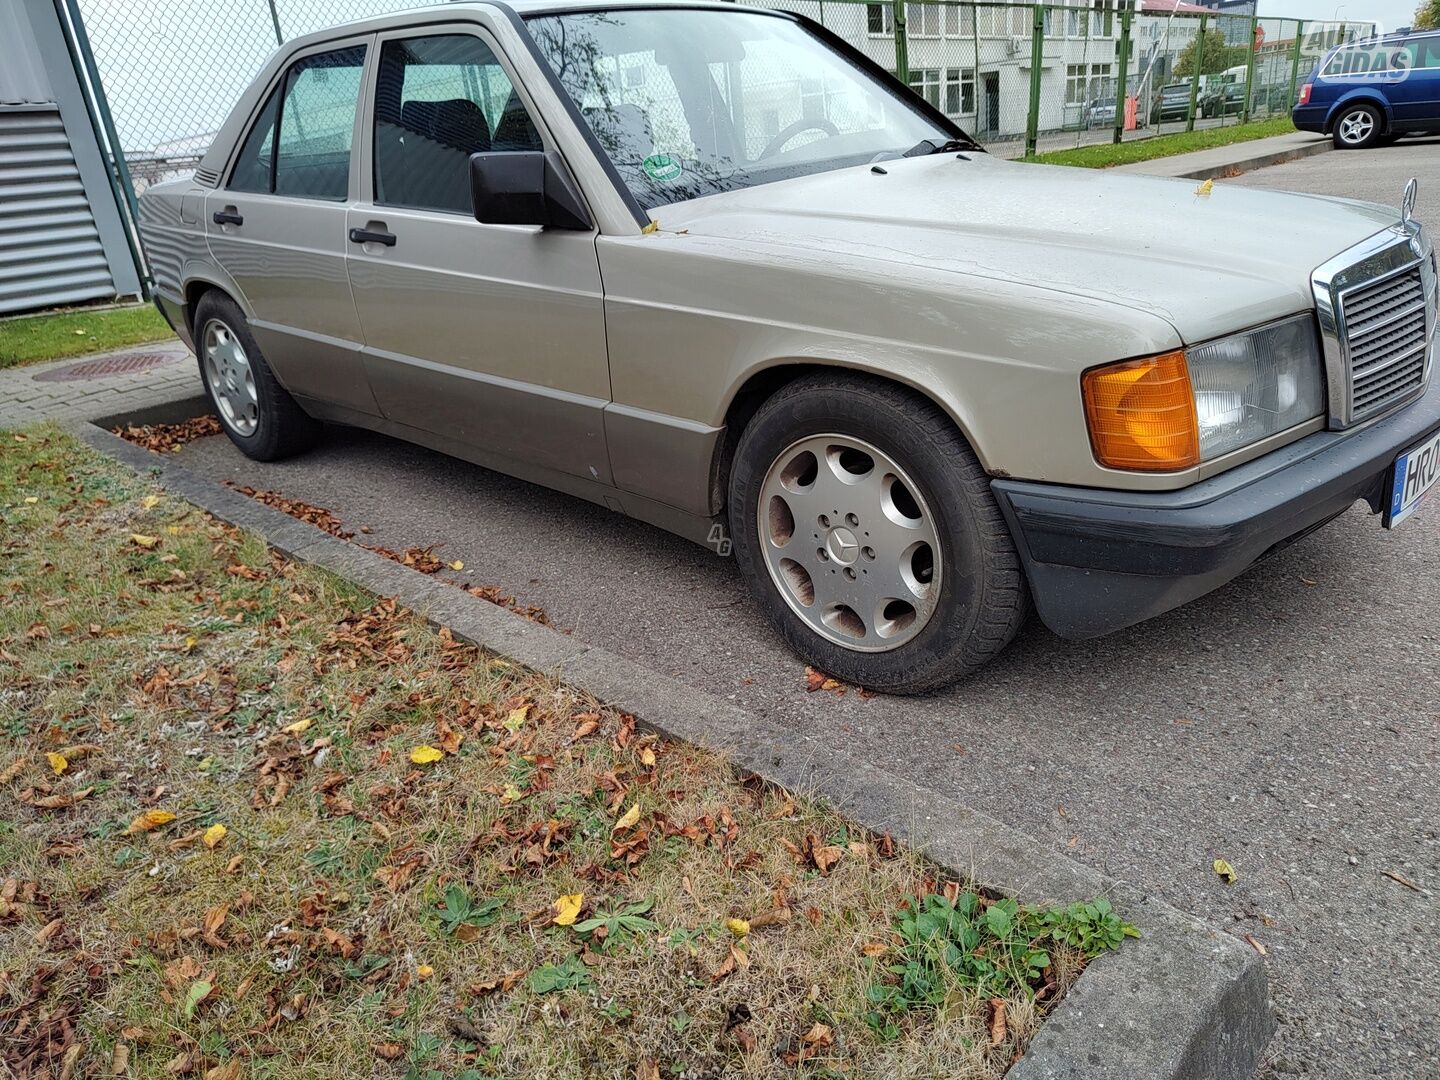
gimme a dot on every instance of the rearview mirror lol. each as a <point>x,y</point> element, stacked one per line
<point>527,187</point>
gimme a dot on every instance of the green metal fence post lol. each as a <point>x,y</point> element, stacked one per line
<point>275,18</point>
<point>1123,62</point>
<point>87,72</point>
<point>902,48</point>
<point>1037,60</point>
<point>1295,59</point>
<point>1197,62</point>
<point>1249,71</point>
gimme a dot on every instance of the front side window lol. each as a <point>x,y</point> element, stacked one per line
<point>438,100</point>
<point>728,99</point>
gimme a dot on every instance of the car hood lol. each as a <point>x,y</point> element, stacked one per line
<point>1207,263</point>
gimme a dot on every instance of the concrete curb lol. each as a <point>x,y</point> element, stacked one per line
<point>1184,1001</point>
<point>1225,169</point>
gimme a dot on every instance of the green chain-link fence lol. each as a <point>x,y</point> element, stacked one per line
<point>171,69</point>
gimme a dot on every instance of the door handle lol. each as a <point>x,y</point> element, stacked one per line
<point>228,216</point>
<point>372,236</point>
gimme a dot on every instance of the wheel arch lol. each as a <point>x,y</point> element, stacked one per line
<point>763,382</point>
<point>1359,96</point>
<point>201,278</point>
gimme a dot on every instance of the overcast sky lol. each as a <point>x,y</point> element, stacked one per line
<point>1388,13</point>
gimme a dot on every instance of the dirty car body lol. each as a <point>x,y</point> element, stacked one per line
<point>712,268</point>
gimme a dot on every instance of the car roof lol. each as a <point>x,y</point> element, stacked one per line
<point>522,8</point>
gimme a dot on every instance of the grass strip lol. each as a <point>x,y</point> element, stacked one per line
<point>259,822</point>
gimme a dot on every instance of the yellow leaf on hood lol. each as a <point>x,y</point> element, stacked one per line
<point>299,727</point>
<point>150,819</point>
<point>1226,871</point>
<point>58,762</point>
<point>567,909</point>
<point>1205,188</point>
<point>213,835</point>
<point>738,927</point>
<point>150,502</point>
<point>629,818</point>
<point>141,540</point>
<point>426,755</point>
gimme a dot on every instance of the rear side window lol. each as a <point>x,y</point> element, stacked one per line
<point>314,112</point>
<point>438,100</point>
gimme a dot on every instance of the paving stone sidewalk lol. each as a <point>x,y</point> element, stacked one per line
<point>26,400</point>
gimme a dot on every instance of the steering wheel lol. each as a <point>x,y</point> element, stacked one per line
<point>791,130</point>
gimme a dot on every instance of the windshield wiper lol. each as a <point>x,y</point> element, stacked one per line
<point>926,147</point>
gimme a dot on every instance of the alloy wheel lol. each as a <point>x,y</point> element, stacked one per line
<point>231,379</point>
<point>1356,127</point>
<point>849,542</point>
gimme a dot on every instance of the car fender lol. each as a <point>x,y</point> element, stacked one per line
<point>1368,94</point>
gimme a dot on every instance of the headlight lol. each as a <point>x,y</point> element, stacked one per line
<point>1251,386</point>
<point>1170,412</point>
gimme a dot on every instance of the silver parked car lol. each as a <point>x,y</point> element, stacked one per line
<point>713,268</point>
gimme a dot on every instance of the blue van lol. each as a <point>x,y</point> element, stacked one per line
<point>1373,91</point>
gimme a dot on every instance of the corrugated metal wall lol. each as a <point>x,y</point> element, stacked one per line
<point>50,250</point>
<point>63,237</point>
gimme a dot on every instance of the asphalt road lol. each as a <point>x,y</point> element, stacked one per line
<point>1286,723</point>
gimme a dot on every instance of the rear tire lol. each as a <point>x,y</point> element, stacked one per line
<point>254,409</point>
<point>910,626</point>
<point>1358,127</point>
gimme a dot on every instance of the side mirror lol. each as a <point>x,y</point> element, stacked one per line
<point>526,187</point>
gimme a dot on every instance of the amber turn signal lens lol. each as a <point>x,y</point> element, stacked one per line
<point>1141,414</point>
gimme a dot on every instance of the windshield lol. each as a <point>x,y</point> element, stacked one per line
<point>688,102</point>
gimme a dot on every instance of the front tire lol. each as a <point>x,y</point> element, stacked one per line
<point>868,533</point>
<point>1358,127</point>
<point>254,409</point>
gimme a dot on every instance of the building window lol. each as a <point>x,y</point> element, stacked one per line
<point>922,20</point>
<point>1083,83</point>
<point>878,19</point>
<point>960,91</point>
<point>959,21</point>
<point>926,83</point>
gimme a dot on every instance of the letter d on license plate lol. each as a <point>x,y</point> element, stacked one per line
<point>1416,472</point>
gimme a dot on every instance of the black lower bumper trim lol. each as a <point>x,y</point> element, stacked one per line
<point>1099,561</point>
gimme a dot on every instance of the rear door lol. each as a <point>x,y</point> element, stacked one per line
<point>490,335</point>
<point>277,225</point>
<point>1416,96</point>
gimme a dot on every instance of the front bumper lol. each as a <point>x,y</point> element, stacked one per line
<point>1099,561</point>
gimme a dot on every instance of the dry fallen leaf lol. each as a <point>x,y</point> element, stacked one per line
<point>424,971</point>
<point>150,502</point>
<point>997,1021</point>
<point>213,835</point>
<point>141,540</point>
<point>874,948</point>
<point>426,755</point>
<point>738,927</point>
<point>58,762</point>
<point>1256,945</point>
<point>516,719</point>
<point>567,909</point>
<point>628,819</point>
<point>1206,188</point>
<point>229,1071</point>
<point>457,565</point>
<point>299,727</point>
<point>390,1051</point>
<point>150,819</point>
<point>1226,871</point>
<point>120,1059</point>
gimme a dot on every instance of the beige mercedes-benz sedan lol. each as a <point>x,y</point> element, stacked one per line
<point>711,267</point>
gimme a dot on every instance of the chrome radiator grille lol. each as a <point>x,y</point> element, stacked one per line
<point>1385,340</point>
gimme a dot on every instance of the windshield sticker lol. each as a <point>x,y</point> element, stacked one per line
<point>662,167</point>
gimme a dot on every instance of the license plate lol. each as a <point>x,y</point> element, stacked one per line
<point>1416,472</point>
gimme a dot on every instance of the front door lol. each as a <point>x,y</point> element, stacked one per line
<point>277,227</point>
<point>490,335</point>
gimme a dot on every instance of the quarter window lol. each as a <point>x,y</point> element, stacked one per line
<point>438,100</point>
<point>252,167</point>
